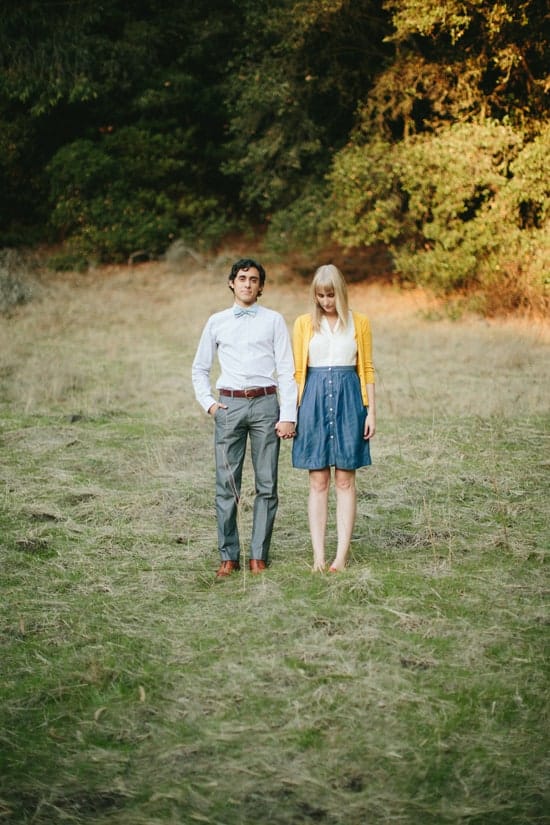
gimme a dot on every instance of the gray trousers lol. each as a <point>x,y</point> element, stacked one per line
<point>244,418</point>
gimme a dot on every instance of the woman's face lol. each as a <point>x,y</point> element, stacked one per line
<point>326,299</point>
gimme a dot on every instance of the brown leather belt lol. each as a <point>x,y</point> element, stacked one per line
<point>253,392</point>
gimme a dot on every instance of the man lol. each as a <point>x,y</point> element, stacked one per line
<point>257,400</point>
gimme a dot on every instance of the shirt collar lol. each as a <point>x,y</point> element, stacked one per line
<point>239,311</point>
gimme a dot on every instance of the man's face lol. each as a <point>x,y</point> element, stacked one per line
<point>246,286</point>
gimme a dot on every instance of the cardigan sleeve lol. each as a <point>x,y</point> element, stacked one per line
<point>301,335</point>
<point>365,366</point>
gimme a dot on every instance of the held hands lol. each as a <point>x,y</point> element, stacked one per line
<point>285,429</point>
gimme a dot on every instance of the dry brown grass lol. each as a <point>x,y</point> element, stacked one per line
<point>148,318</point>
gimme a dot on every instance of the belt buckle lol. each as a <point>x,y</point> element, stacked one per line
<point>248,393</point>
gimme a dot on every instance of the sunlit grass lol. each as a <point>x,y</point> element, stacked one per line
<point>135,688</point>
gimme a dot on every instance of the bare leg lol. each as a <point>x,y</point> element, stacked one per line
<point>346,505</point>
<point>317,510</point>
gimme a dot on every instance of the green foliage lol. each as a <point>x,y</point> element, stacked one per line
<point>77,172</point>
<point>450,182</point>
<point>453,206</point>
<point>45,48</point>
<point>457,60</point>
<point>367,203</point>
<point>516,274</point>
<point>303,225</point>
<point>114,226</point>
<point>529,188</point>
<point>412,688</point>
<point>414,17</point>
<point>125,193</point>
<point>129,99</point>
<point>125,125</point>
<point>292,93</point>
<point>446,164</point>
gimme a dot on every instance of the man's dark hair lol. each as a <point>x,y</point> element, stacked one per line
<point>247,263</point>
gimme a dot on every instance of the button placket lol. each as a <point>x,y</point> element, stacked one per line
<point>331,421</point>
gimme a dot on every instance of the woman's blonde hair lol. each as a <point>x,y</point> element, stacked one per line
<point>329,276</point>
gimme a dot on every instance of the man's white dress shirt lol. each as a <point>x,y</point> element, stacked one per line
<point>253,351</point>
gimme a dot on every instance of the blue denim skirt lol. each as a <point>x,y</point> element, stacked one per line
<point>331,421</point>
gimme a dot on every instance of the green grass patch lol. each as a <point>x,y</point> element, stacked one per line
<point>138,690</point>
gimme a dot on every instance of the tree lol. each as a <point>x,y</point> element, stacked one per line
<point>135,87</point>
<point>408,122</point>
<point>292,92</point>
<point>457,61</point>
<point>441,146</point>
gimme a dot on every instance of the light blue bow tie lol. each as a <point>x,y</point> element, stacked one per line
<point>240,311</point>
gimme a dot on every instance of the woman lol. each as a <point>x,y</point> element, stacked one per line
<point>336,414</point>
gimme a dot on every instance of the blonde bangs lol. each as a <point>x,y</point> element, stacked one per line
<point>329,276</point>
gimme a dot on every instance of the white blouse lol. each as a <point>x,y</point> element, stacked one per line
<point>333,348</point>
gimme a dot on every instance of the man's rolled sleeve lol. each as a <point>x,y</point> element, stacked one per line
<point>284,364</point>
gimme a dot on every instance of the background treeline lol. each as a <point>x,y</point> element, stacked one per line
<point>421,125</point>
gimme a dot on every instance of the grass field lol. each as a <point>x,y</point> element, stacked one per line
<point>137,690</point>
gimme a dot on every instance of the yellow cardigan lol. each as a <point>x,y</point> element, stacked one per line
<point>302,335</point>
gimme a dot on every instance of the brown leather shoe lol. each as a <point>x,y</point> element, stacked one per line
<point>226,568</point>
<point>256,566</point>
